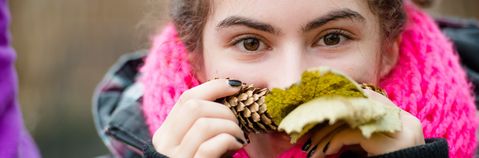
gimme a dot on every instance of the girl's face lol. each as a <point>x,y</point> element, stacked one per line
<point>269,43</point>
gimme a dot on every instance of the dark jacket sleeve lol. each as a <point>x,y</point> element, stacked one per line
<point>434,148</point>
<point>116,108</point>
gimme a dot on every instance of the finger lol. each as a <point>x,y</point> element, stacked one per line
<point>377,144</point>
<point>206,128</point>
<point>192,105</point>
<point>410,122</point>
<point>182,119</point>
<point>380,143</point>
<point>323,132</point>
<point>320,149</point>
<point>211,90</point>
<point>378,97</point>
<point>218,146</point>
<point>345,137</point>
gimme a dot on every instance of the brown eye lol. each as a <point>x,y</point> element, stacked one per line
<point>332,39</point>
<point>251,44</point>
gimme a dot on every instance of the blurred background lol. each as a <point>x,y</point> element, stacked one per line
<point>65,46</point>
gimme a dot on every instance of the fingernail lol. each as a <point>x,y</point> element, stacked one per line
<point>311,152</point>
<point>234,83</point>
<point>326,147</point>
<point>306,145</point>
<point>247,138</point>
<point>240,141</point>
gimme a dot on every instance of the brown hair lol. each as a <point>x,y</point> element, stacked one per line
<point>189,17</point>
<point>391,15</point>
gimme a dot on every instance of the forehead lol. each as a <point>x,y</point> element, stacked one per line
<point>285,11</point>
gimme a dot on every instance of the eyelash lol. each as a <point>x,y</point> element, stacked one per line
<point>340,32</point>
<point>243,38</point>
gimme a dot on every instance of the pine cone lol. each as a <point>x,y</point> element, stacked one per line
<point>250,109</point>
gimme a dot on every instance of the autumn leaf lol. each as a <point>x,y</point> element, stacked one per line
<point>327,96</point>
<point>314,83</point>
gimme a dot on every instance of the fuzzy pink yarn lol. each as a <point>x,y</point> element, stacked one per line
<point>427,81</point>
<point>166,74</point>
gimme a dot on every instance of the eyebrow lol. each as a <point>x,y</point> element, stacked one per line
<point>334,15</point>
<point>237,20</point>
<point>318,22</point>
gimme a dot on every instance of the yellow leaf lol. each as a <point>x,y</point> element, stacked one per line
<point>390,122</point>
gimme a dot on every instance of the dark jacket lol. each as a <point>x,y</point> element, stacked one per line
<point>116,108</point>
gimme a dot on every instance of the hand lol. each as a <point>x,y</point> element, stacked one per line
<point>199,127</point>
<point>331,139</point>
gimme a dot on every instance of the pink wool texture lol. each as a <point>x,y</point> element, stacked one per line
<point>427,81</point>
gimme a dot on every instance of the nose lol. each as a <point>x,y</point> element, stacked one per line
<point>287,69</point>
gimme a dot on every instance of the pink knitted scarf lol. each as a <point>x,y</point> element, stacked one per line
<point>427,81</point>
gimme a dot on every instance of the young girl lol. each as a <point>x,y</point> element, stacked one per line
<point>269,43</point>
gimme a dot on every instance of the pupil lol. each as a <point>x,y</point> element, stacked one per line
<point>331,39</point>
<point>251,44</point>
